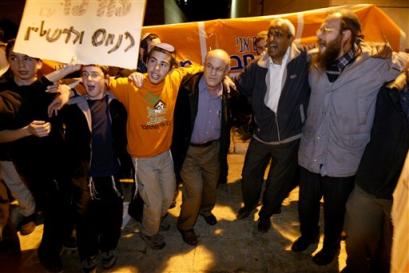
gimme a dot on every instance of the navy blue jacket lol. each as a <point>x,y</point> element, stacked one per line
<point>286,124</point>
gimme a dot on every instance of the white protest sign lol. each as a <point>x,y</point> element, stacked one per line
<point>105,32</point>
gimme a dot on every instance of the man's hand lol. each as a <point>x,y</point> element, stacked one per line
<point>39,128</point>
<point>61,100</point>
<point>136,78</point>
<point>229,84</point>
<point>401,81</point>
<point>381,51</point>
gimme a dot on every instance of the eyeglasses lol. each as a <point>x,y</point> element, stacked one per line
<point>325,30</point>
<point>92,74</point>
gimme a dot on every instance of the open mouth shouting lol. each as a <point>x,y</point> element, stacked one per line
<point>322,45</point>
<point>154,76</point>
<point>90,87</point>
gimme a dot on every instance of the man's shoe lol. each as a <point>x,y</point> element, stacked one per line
<point>210,219</point>
<point>189,236</point>
<point>243,213</point>
<point>324,257</point>
<point>155,241</point>
<point>264,224</point>
<point>109,259</point>
<point>89,265</point>
<point>302,243</point>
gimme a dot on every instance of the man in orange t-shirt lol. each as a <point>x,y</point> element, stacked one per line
<point>149,129</point>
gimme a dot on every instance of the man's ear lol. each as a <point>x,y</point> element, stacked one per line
<point>227,69</point>
<point>346,35</point>
<point>292,38</point>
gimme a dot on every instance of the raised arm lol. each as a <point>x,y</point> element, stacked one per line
<point>63,72</point>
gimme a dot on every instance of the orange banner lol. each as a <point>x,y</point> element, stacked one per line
<point>236,36</point>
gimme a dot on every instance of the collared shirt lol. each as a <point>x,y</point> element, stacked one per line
<point>404,101</point>
<point>339,65</point>
<point>274,78</point>
<point>208,119</point>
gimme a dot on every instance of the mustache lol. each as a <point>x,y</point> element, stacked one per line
<point>332,50</point>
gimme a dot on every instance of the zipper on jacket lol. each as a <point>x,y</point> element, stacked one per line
<point>278,128</point>
<point>90,154</point>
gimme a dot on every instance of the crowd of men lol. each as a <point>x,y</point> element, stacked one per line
<point>335,122</point>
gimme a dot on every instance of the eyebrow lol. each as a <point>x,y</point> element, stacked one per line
<point>162,61</point>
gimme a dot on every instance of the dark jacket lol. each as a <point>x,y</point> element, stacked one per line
<point>76,118</point>
<point>286,125</point>
<point>384,155</point>
<point>185,115</point>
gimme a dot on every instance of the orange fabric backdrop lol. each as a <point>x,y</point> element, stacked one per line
<point>236,36</point>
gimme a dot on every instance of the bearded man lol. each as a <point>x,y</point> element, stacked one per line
<point>344,81</point>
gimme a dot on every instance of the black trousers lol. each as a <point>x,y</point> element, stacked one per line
<point>98,220</point>
<point>50,193</point>
<point>335,191</point>
<point>282,177</point>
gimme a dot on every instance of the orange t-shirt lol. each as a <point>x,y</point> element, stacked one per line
<point>150,111</point>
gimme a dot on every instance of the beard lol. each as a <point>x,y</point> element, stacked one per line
<point>330,54</point>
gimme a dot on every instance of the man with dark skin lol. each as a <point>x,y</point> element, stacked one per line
<point>277,87</point>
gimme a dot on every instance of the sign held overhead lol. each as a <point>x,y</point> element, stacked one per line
<point>105,32</point>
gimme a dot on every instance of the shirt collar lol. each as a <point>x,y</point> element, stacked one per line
<point>344,60</point>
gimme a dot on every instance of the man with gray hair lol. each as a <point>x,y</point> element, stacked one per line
<point>277,88</point>
<point>200,137</point>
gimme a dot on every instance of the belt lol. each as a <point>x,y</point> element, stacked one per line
<point>206,144</point>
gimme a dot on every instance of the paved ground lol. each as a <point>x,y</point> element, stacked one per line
<point>231,246</point>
